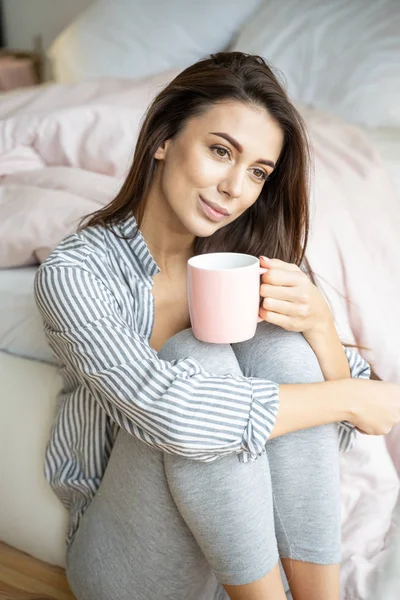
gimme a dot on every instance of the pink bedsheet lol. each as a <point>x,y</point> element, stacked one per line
<point>64,150</point>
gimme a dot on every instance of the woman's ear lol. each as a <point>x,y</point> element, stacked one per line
<point>161,151</point>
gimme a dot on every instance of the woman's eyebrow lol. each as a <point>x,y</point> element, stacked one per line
<point>239,147</point>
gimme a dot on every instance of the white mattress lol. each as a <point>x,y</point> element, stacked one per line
<point>387,142</point>
<point>21,331</point>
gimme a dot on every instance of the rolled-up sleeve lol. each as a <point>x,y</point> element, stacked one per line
<point>175,406</point>
<point>359,367</point>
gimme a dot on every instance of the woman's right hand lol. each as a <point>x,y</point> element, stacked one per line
<point>375,406</point>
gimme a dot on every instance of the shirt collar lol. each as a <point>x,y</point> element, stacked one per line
<point>137,243</point>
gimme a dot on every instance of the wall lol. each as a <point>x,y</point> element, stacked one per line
<point>25,20</point>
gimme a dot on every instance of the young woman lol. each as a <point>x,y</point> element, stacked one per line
<point>196,471</point>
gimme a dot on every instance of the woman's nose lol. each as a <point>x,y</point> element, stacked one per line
<point>232,184</point>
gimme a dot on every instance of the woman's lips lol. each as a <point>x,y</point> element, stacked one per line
<point>210,212</point>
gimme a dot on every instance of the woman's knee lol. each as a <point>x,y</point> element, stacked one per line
<point>279,355</point>
<point>218,358</point>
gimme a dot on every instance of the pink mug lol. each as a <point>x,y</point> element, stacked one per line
<point>224,296</point>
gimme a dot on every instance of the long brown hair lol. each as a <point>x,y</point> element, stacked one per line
<point>277,224</point>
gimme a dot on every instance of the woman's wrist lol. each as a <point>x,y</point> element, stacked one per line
<point>329,351</point>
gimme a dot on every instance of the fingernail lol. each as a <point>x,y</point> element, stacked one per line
<point>262,271</point>
<point>264,257</point>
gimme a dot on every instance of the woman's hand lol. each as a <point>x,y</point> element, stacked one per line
<point>291,300</point>
<point>375,407</point>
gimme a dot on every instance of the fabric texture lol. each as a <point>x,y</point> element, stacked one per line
<point>96,287</point>
<point>338,56</point>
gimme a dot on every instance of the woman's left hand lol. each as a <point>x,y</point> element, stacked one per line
<point>291,300</point>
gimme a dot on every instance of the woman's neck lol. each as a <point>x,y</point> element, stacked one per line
<point>170,245</point>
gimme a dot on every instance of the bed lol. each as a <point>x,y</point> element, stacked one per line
<point>56,165</point>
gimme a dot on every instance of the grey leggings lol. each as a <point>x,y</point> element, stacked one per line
<point>162,527</point>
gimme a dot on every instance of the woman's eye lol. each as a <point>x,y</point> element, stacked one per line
<point>260,174</point>
<point>220,151</point>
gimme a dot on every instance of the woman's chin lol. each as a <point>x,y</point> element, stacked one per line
<point>201,228</point>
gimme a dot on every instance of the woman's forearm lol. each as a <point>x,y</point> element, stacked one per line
<point>329,352</point>
<point>305,405</point>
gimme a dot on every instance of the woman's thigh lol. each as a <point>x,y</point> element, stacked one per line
<point>132,542</point>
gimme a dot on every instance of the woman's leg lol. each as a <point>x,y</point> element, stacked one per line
<point>132,543</point>
<point>227,505</point>
<point>304,467</point>
<point>160,527</point>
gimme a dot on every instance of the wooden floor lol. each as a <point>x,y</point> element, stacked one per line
<point>25,578</point>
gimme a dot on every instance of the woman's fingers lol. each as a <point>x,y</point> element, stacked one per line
<point>282,277</point>
<point>276,319</point>
<point>272,263</point>
<point>283,307</point>
<point>280,292</point>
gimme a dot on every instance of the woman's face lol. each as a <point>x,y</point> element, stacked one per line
<point>216,167</point>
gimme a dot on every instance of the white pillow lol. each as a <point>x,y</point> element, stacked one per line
<point>137,38</point>
<point>336,55</point>
<point>21,325</point>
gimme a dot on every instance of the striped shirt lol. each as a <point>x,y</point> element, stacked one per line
<point>94,293</point>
